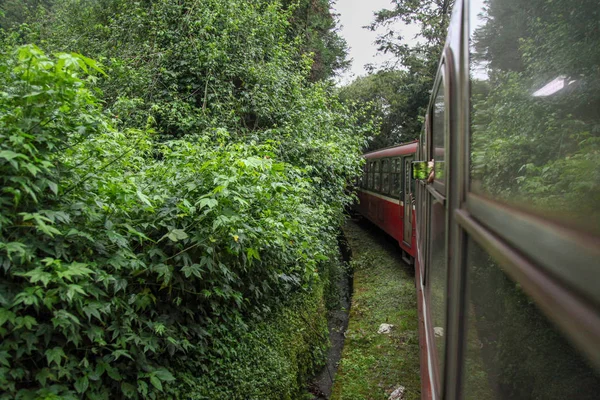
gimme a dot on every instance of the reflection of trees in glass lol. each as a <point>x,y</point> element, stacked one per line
<point>536,109</point>
<point>513,352</point>
<point>437,278</point>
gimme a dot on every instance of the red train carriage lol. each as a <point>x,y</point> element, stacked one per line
<point>386,196</point>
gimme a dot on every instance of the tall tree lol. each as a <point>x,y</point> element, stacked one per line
<point>317,26</point>
<point>395,97</point>
<point>418,63</point>
<point>15,12</point>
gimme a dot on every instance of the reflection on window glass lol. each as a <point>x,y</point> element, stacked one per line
<point>395,182</point>
<point>385,188</point>
<point>536,106</point>
<point>513,351</point>
<point>438,137</point>
<point>437,277</point>
<point>377,177</point>
<point>385,176</point>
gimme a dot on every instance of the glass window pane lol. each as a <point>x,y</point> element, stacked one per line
<point>377,177</point>
<point>438,134</point>
<point>395,185</point>
<point>513,351</point>
<point>535,116</point>
<point>385,182</point>
<point>437,277</point>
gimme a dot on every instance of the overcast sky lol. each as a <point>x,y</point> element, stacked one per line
<point>354,14</point>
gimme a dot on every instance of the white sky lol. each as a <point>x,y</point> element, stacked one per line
<point>354,14</point>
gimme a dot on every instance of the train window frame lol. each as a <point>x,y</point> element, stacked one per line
<point>385,175</point>
<point>442,378</point>
<point>439,185</point>
<point>565,296</point>
<point>394,178</point>
<point>377,176</point>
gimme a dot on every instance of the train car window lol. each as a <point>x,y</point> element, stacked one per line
<point>365,180</point>
<point>512,350</point>
<point>436,265</point>
<point>385,176</point>
<point>400,175</point>
<point>377,176</point>
<point>535,113</point>
<point>438,136</point>
<point>395,184</point>
<point>371,174</point>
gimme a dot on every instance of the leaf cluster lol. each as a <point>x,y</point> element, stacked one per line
<point>135,237</point>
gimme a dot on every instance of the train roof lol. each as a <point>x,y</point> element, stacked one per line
<point>398,150</point>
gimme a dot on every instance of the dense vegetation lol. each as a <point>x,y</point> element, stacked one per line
<point>169,211</point>
<point>400,90</point>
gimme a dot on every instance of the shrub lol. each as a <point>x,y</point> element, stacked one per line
<point>127,261</point>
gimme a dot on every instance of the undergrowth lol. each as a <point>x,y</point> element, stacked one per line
<point>373,364</point>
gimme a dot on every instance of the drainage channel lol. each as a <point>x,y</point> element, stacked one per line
<point>337,322</point>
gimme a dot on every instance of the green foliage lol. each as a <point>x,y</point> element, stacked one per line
<point>15,12</point>
<point>270,360</point>
<point>401,95</point>
<point>372,364</point>
<point>397,98</point>
<point>315,24</point>
<point>137,247</point>
<point>432,16</point>
<point>192,66</point>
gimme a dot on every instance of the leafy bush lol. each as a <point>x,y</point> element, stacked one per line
<point>127,261</point>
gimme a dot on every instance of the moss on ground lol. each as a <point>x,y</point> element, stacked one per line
<point>373,364</point>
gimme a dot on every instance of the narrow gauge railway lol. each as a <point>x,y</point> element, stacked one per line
<point>505,227</point>
<point>385,194</point>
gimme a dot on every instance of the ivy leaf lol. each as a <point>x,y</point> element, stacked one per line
<point>4,356</point>
<point>53,186</point>
<point>143,198</point>
<point>193,269</point>
<point>118,353</point>
<point>54,355</point>
<point>38,275</point>
<point>82,384</point>
<point>6,315</point>
<point>177,234</point>
<point>207,202</point>
<point>113,373</point>
<point>73,289</point>
<point>128,390</point>
<point>43,375</point>
<point>75,269</point>
<point>155,381</point>
<point>9,155</point>
<point>164,375</point>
